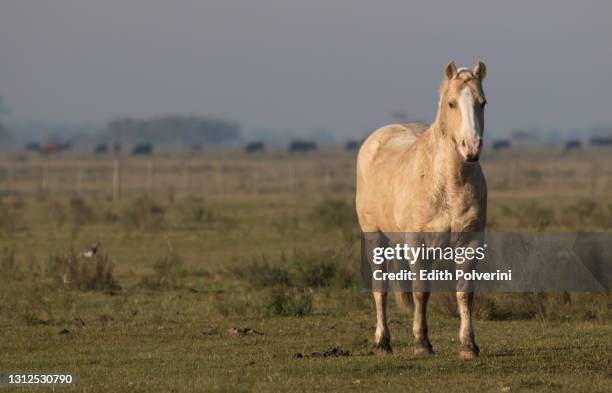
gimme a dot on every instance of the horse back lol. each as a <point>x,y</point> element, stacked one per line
<point>386,140</point>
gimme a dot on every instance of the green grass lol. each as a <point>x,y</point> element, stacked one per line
<point>175,342</point>
<point>190,268</point>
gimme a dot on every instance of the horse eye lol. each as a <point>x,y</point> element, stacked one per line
<point>484,102</point>
<point>452,104</point>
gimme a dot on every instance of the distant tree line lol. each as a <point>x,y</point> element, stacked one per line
<point>5,135</point>
<point>174,129</point>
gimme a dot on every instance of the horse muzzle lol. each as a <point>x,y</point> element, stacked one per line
<point>470,149</point>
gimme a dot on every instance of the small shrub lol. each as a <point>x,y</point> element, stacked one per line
<point>56,214</point>
<point>535,216</point>
<point>262,274</point>
<point>315,270</point>
<point>305,269</point>
<point>9,217</point>
<point>85,274</point>
<point>290,303</point>
<point>229,306</point>
<point>82,213</point>
<point>110,217</point>
<point>8,265</point>
<point>38,310</point>
<point>145,214</point>
<point>167,273</point>
<point>324,268</point>
<point>334,213</point>
<point>534,174</point>
<point>285,223</point>
<point>196,211</point>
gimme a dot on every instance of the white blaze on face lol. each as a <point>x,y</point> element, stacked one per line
<point>471,129</point>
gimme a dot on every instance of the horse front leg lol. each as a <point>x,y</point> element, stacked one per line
<point>422,346</point>
<point>468,348</point>
<point>465,300</point>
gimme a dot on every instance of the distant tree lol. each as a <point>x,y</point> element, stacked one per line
<point>4,109</point>
<point>173,129</point>
<point>5,135</point>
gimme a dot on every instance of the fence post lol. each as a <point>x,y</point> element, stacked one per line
<point>593,175</point>
<point>149,176</point>
<point>292,185</point>
<point>328,179</point>
<point>44,182</point>
<point>79,179</point>
<point>10,177</point>
<point>221,178</point>
<point>186,167</point>
<point>116,180</point>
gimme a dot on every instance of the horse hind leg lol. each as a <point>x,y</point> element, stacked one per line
<point>422,346</point>
<point>382,337</point>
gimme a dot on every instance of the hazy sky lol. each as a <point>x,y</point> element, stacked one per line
<point>303,65</point>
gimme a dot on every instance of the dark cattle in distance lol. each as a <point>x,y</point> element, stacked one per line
<point>352,145</point>
<point>143,149</point>
<point>601,141</point>
<point>101,148</point>
<point>573,144</point>
<point>299,146</point>
<point>53,148</point>
<point>501,144</point>
<point>255,147</point>
<point>32,146</point>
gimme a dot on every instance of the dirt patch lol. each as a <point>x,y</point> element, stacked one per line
<point>243,332</point>
<point>333,352</point>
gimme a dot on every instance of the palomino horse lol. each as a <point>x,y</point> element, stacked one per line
<point>415,178</point>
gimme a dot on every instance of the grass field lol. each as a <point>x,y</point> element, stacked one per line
<point>214,273</point>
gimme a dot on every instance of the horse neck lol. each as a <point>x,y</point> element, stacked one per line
<point>449,170</point>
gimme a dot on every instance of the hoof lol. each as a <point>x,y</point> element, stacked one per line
<point>469,351</point>
<point>383,347</point>
<point>423,348</point>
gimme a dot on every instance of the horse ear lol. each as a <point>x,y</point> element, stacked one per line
<point>450,70</point>
<point>480,70</point>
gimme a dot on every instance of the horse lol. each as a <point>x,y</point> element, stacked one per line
<point>419,178</point>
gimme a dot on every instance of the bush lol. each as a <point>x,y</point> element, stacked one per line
<point>56,214</point>
<point>196,211</point>
<point>285,223</point>
<point>290,303</point>
<point>334,213</point>
<point>262,274</point>
<point>85,274</point>
<point>324,268</point>
<point>145,214</point>
<point>305,269</point>
<point>9,217</point>
<point>8,264</point>
<point>167,273</point>
<point>313,269</point>
<point>81,212</point>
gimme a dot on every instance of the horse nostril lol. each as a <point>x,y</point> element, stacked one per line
<point>480,143</point>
